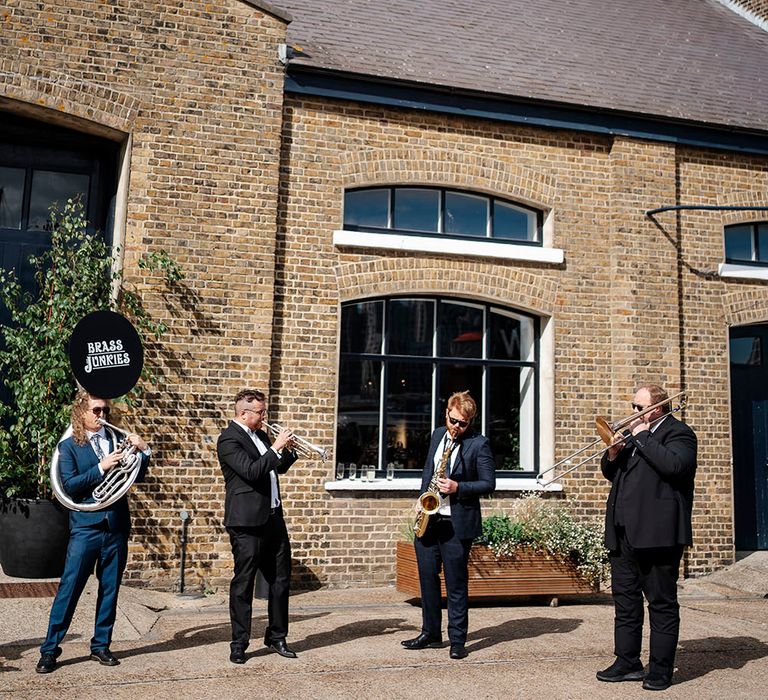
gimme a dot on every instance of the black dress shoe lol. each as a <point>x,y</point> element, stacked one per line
<point>655,681</point>
<point>423,641</point>
<point>282,648</point>
<point>105,657</point>
<point>46,664</point>
<point>617,672</point>
<point>237,656</point>
<point>458,651</point>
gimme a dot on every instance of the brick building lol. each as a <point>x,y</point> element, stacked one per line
<point>378,204</point>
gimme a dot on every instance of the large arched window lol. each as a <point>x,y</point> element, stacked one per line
<point>400,359</point>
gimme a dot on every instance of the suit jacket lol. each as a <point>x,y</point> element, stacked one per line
<point>246,475</point>
<point>475,473</point>
<point>80,474</point>
<point>653,487</point>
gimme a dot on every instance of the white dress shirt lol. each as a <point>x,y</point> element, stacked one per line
<point>262,448</point>
<point>445,502</point>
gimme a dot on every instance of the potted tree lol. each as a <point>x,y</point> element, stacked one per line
<point>537,549</point>
<point>74,277</point>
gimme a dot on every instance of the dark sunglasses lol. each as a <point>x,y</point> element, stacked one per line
<point>458,421</point>
<point>100,410</point>
<point>639,408</point>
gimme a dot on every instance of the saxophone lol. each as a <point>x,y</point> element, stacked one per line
<point>429,501</point>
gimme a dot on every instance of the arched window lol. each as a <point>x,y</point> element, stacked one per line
<point>438,211</point>
<point>402,357</point>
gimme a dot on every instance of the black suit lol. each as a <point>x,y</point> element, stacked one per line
<point>447,540</point>
<point>647,525</point>
<point>257,531</point>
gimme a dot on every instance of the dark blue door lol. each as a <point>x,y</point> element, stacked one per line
<point>749,427</point>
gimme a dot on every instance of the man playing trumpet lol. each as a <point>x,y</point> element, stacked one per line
<point>253,517</point>
<point>647,526</point>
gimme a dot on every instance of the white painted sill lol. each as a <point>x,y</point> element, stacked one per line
<point>742,271</point>
<point>414,484</point>
<point>450,246</point>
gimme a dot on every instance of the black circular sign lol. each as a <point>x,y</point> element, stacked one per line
<point>106,354</point>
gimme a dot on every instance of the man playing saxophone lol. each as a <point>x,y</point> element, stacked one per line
<point>460,467</point>
<point>97,538</point>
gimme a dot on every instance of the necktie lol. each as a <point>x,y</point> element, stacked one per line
<point>96,446</point>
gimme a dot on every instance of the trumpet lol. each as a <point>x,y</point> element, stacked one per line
<point>305,448</point>
<point>607,432</point>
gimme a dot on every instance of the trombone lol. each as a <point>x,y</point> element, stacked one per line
<point>607,432</point>
<point>305,448</point>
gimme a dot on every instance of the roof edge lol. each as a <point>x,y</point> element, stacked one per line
<point>302,79</point>
<point>270,9</point>
<point>748,15</point>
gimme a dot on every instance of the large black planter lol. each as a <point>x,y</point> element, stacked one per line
<point>33,538</point>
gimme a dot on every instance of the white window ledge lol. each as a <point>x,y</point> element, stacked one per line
<point>743,271</point>
<point>414,484</point>
<point>452,246</point>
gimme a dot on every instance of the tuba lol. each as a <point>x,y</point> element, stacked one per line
<point>117,481</point>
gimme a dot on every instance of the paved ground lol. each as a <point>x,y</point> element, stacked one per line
<point>348,645</point>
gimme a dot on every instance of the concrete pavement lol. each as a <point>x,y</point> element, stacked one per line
<point>349,647</point>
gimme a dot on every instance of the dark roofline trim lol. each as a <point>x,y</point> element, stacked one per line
<point>303,81</point>
<point>270,9</point>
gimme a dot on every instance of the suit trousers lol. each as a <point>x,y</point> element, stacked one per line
<point>89,546</point>
<point>267,549</point>
<point>652,572</point>
<point>438,548</point>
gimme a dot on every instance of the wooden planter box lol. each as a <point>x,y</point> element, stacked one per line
<point>527,573</point>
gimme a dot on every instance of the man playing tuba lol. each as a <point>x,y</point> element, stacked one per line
<point>97,537</point>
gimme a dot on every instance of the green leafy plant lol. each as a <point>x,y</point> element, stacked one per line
<point>75,276</point>
<point>548,526</point>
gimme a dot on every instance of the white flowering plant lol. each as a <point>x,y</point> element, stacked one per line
<point>548,526</point>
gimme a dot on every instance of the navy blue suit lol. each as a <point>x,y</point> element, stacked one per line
<point>647,525</point>
<point>97,538</point>
<point>447,540</point>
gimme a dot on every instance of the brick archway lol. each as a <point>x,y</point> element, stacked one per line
<point>388,276</point>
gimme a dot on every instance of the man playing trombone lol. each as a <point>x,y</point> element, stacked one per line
<point>647,525</point>
<point>253,517</point>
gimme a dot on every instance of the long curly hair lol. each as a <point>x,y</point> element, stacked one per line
<point>79,409</point>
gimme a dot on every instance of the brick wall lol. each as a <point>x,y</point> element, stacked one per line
<point>198,88</point>
<point>630,304</point>
<point>244,188</point>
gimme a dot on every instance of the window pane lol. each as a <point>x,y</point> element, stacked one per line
<point>466,214</point>
<point>746,351</point>
<point>461,330</point>
<point>410,326</point>
<point>510,422</point>
<point>367,208</point>
<point>417,210</point>
<point>49,187</point>
<point>11,194</point>
<point>512,337</point>
<point>361,327</point>
<point>738,242</point>
<point>513,222</point>
<point>357,436</point>
<point>458,377</point>
<point>409,413</point>
<point>762,242</point>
